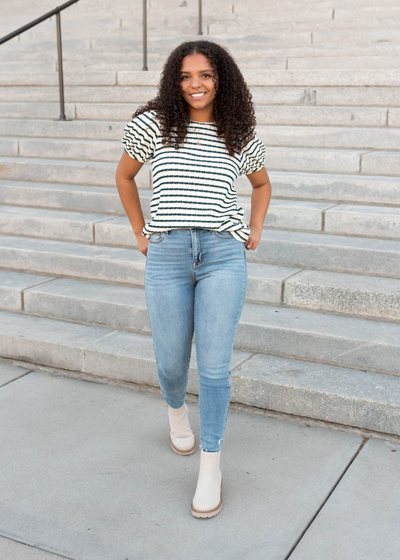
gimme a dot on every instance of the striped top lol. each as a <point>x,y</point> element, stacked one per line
<point>192,186</point>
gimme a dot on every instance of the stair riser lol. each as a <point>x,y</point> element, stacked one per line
<point>266,115</point>
<point>34,134</point>
<point>262,95</point>
<point>345,294</point>
<point>334,188</point>
<point>307,254</point>
<point>352,295</point>
<point>110,230</point>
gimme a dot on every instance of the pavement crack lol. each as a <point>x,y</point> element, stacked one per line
<point>304,532</point>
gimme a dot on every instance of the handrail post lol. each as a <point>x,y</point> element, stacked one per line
<point>145,35</point>
<point>60,68</point>
<point>200,18</point>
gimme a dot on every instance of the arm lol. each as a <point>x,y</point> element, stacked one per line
<point>260,199</point>
<point>127,169</point>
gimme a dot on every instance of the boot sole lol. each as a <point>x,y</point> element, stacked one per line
<point>208,513</point>
<point>183,451</point>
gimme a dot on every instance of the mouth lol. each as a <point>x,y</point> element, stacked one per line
<point>197,95</point>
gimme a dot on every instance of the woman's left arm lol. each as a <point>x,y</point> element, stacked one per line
<point>260,199</point>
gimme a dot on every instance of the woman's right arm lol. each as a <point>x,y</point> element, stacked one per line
<point>127,169</point>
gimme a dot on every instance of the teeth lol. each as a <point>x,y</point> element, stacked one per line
<point>197,94</point>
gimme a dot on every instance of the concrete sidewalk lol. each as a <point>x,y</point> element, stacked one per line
<point>87,473</point>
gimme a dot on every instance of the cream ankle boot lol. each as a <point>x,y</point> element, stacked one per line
<point>181,436</point>
<point>207,500</point>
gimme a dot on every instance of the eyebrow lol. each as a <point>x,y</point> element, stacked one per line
<point>201,71</point>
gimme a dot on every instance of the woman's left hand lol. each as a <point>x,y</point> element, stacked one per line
<point>254,238</point>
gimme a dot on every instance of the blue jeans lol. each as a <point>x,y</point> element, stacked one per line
<point>196,281</point>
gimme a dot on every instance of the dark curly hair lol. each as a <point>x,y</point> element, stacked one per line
<point>233,106</point>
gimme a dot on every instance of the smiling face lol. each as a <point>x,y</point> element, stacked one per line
<point>198,87</point>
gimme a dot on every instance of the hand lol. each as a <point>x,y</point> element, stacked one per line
<point>143,243</point>
<point>254,239</point>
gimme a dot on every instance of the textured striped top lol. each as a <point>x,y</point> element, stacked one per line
<point>192,186</point>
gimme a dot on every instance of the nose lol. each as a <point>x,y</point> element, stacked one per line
<point>196,82</point>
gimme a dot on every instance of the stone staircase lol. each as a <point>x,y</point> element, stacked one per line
<point>319,335</point>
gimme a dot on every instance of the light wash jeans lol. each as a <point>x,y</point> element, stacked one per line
<point>196,281</point>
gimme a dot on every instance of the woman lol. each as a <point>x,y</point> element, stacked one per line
<point>199,133</point>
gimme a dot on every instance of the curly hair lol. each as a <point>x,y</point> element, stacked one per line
<point>233,106</point>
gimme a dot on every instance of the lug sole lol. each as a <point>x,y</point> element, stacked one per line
<point>183,451</point>
<point>208,513</point>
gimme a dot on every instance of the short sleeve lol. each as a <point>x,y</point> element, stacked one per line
<point>252,156</point>
<point>140,137</point>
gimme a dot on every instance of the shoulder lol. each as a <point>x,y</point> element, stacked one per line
<point>146,122</point>
<point>252,145</point>
<point>141,136</point>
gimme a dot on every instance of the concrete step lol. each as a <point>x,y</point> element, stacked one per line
<point>295,77</point>
<point>87,227</point>
<point>336,253</point>
<point>68,197</point>
<point>71,149</point>
<point>63,171</point>
<point>347,36</point>
<point>366,138</point>
<point>367,221</point>
<point>345,396</point>
<point>15,66</point>
<point>182,24</point>
<point>372,96</point>
<point>349,294</point>
<point>286,185</point>
<point>267,62</point>
<point>341,63</point>
<point>343,14</point>
<point>319,251</point>
<point>43,188</point>
<point>276,159</point>
<point>68,225</point>
<point>128,44</point>
<point>265,285</point>
<point>75,129</point>
<point>125,306</point>
<point>265,114</point>
<point>243,51</point>
<point>104,78</point>
<point>298,34</point>
<point>36,111</point>
<point>341,137</point>
<point>369,189</point>
<point>343,341</point>
<point>250,26</point>
<point>304,115</point>
<point>50,224</point>
<point>387,162</point>
<point>95,262</point>
<point>253,77</point>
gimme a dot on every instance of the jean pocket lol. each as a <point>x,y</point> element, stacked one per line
<point>223,234</point>
<point>157,237</point>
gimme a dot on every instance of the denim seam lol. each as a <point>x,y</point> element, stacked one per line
<point>243,295</point>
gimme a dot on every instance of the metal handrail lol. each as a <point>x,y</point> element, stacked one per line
<point>200,18</point>
<point>24,28</point>
<point>56,12</point>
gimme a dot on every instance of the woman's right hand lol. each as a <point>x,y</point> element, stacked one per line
<point>143,243</point>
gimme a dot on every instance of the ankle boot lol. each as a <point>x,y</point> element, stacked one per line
<point>207,500</point>
<point>181,436</point>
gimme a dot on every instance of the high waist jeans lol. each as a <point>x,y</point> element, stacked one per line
<point>196,281</point>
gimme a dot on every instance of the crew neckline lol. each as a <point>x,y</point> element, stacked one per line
<point>202,122</point>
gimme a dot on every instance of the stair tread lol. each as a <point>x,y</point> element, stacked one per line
<point>267,370</point>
